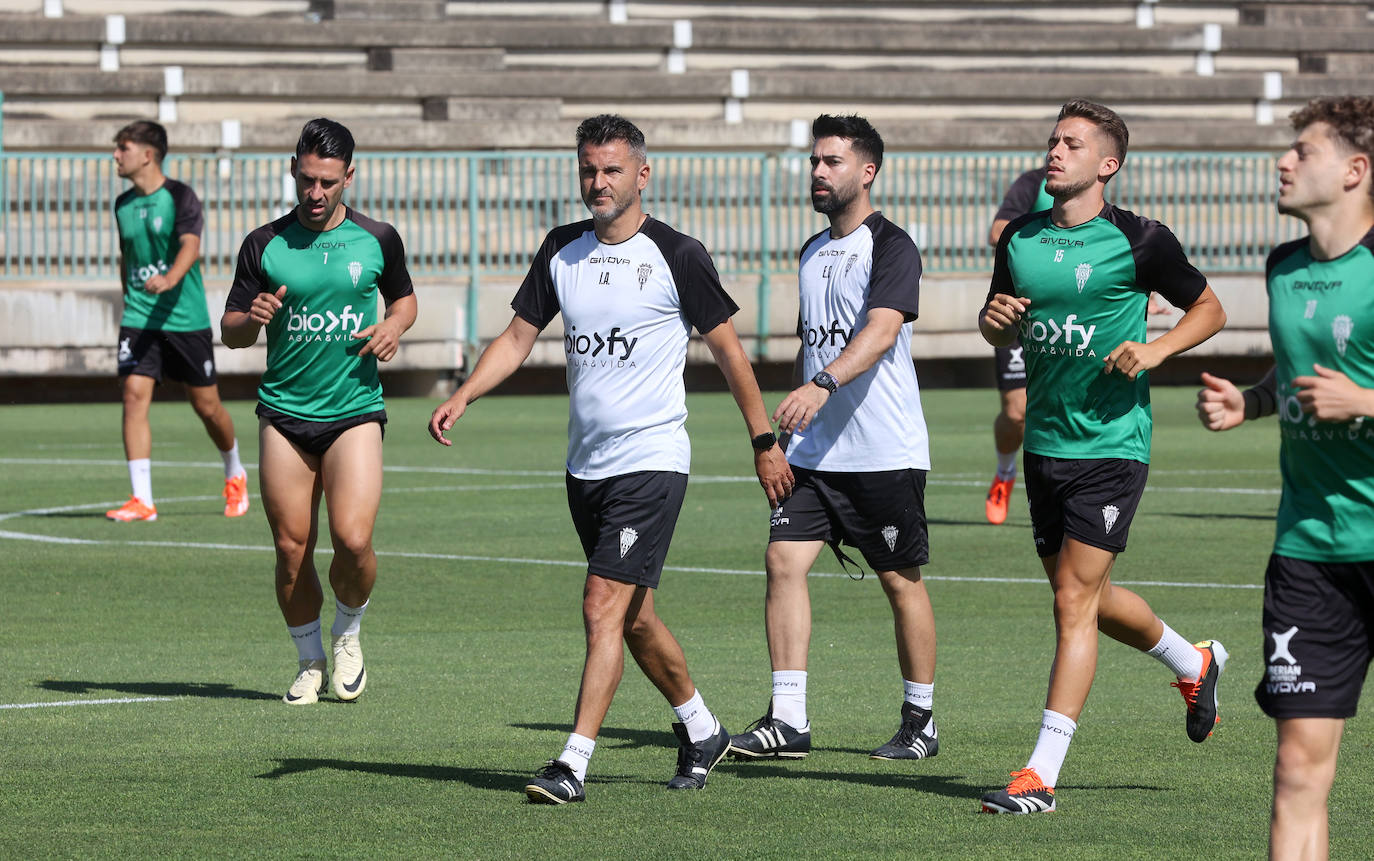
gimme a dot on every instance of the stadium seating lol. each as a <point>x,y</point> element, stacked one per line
<point>469,75</point>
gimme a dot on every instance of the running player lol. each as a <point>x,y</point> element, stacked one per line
<point>312,278</point>
<point>1319,585</point>
<point>858,445</point>
<point>165,330</point>
<point>1026,194</point>
<point>1075,282</point>
<point>630,289</point>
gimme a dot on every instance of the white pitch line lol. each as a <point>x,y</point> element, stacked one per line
<point>86,702</point>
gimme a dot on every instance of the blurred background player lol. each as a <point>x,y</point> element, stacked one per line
<point>638,287</point>
<point>1074,282</point>
<point>1319,585</point>
<point>859,446</point>
<point>320,408</point>
<point>165,329</point>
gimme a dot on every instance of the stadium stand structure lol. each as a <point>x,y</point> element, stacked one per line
<point>425,74</point>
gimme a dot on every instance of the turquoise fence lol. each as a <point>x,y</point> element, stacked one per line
<point>483,214</point>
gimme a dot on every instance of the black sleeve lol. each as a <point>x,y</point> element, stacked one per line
<point>1021,195</point>
<point>394,282</point>
<point>249,279</point>
<point>536,302</point>
<point>705,303</point>
<point>895,279</point>
<point>1001,270</point>
<point>190,217</point>
<point>1162,267</point>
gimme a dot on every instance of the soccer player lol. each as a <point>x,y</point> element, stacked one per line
<point>1075,282</point>
<point>1026,194</point>
<point>630,289</point>
<point>165,330</point>
<point>1319,584</point>
<point>858,445</point>
<point>312,278</point>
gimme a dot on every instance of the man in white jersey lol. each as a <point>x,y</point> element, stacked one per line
<point>858,445</point>
<point>630,290</point>
<point>1319,584</point>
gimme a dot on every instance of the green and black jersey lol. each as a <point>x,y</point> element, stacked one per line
<point>1089,286</point>
<point>150,231</point>
<point>332,279</point>
<point>1321,312</point>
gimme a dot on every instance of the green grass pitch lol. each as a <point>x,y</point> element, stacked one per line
<point>474,645</point>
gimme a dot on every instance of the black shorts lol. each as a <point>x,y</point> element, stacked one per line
<point>1011,367</point>
<point>316,437</point>
<point>187,357</point>
<point>883,514</point>
<point>1092,501</point>
<point>1318,621</point>
<point>626,522</point>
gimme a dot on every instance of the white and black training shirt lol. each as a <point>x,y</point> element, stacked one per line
<point>873,423</point>
<point>628,310</point>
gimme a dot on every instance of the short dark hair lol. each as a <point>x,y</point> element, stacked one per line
<point>604,128</point>
<point>862,137</point>
<point>1351,119</point>
<point>145,132</point>
<point>1107,121</point>
<point>325,138</point>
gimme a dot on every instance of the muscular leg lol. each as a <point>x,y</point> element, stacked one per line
<point>1079,575</point>
<point>914,622</point>
<point>205,401</point>
<point>656,650</point>
<point>289,481</point>
<point>1304,769</point>
<point>138,434</point>
<point>352,476</point>
<point>605,609</point>
<point>787,603</point>
<point>1009,428</point>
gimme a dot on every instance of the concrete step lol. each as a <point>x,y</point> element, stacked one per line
<point>380,10</point>
<point>1285,15</point>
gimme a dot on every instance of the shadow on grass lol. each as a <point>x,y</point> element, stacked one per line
<point>478,778</point>
<point>626,737</point>
<point>1210,515</point>
<point>205,690</point>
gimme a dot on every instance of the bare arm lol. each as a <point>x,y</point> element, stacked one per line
<point>187,255</point>
<point>240,328</point>
<point>384,338</point>
<point>499,360</point>
<point>1000,319</point>
<point>876,337</point>
<point>1331,396</point>
<point>995,232</point>
<point>771,467</point>
<point>1202,319</point>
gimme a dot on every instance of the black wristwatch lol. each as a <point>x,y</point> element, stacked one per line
<point>764,441</point>
<point>826,382</point>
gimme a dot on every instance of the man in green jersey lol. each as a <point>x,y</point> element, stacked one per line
<point>1074,281</point>
<point>312,278</point>
<point>165,329</point>
<point>1319,584</point>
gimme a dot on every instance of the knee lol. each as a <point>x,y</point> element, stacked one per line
<point>291,557</point>
<point>353,544</point>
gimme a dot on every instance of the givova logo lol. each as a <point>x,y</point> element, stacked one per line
<point>1069,338</point>
<point>303,325</point>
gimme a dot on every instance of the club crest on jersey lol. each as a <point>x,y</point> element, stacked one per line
<point>643,273</point>
<point>1081,273</point>
<point>355,271</point>
<point>1341,329</point>
<point>628,537</point>
<point>157,222</point>
<point>1109,515</point>
<point>890,536</point>
<point>1311,310</point>
<point>849,264</point>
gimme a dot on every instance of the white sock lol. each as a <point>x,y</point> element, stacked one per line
<point>233,467</point>
<point>307,639</point>
<point>1056,731</point>
<point>697,718</point>
<point>1177,654</point>
<point>347,619</point>
<point>577,753</point>
<point>141,478</point>
<point>919,695</point>
<point>1006,465</point>
<point>789,697</point>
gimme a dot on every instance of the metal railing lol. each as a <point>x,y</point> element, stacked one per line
<point>476,214</point>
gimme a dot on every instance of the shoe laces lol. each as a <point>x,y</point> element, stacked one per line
<point>688,755</point>
<point>1025,781</point>
<point>555,769</point>
<point>765,722</point>
<point>1188,688</point>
